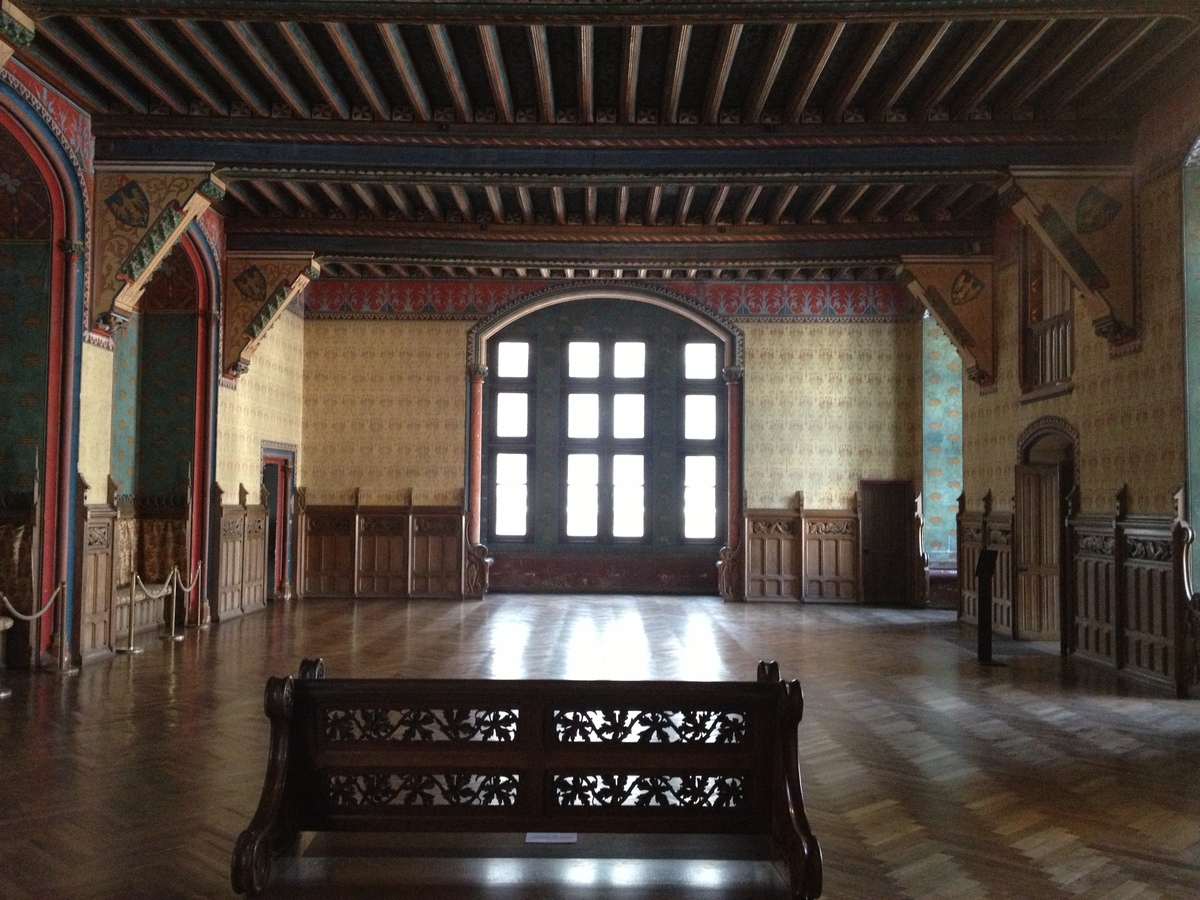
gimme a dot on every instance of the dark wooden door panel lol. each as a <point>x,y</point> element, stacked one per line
<point>1038,537</point>
<point>885,510</point>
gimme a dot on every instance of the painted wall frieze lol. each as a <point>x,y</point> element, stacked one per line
<point>261,288</point>
<point>959,294</point>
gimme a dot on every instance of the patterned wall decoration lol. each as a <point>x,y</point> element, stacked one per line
<point>1191,287</point>
<point>266,406</point>
<point>125,405</point>
<point>24,349</point>
<point>867,300</point>
<point>71,125</point>
<point>166,403</point>
<point>384,410</point>
<point>1129,409</point>
<point>827,404</point>
<point>25,213</point>
<point>942,381</point>
<point>259,287</point>
<point>95,419</point>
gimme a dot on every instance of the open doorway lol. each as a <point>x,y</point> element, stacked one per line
<point>1044,477</point>
<point>277,486</point>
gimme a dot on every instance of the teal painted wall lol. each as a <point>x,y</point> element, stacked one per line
<point>167,403</point>
<point>125,406</point>
<point>24,363</point>
<point>941,444</point>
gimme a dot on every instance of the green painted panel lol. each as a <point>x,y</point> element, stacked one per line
<point>24,358</point>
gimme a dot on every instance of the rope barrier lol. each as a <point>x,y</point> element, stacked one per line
<point>45,609</point>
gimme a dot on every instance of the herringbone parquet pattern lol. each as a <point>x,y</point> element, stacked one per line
<point>925,774</point>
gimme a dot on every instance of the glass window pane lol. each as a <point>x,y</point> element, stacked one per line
<point>512,359</point>
<point>629,511</point>
<point>700,471</point>
<point>583,359</point>
<point>583,469</point>
<point>583,415</point>
<point>511,468</point>
<point>512,415</point>
<point>628,469</point>
<point>583,497</point>
<point>700,361</point>
<point>629,359</point>
<point>512,506</point>
<point>699,417</point>
<point>629,416</point>
<point>699,512</point>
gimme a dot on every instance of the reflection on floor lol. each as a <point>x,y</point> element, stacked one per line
<point>925,774</point>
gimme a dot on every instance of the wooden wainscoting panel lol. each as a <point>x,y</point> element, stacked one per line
<point>382,569</point>
<point>436,553</point>
<point>970,543</point>
<point>230,562</point>
<point>830,561</point>
<point>999,538</point>
<point>254,560</point>
<point>1095,588</point>
<point>97,575</point>
<point>1149,620</point>
<point>328,551</point>
<point>773,564</point>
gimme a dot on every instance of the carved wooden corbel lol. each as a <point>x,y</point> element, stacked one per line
<point>1085,220</point>
<point>958,292</point>
<point>261,287</point>
<point>16,31</point>
<point>141,217</point>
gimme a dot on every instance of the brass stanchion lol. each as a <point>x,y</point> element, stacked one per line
<point>36,618</point>
<point>172,584</point>
<point>129,646</point>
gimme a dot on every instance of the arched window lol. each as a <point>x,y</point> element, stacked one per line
<point>605,428</point>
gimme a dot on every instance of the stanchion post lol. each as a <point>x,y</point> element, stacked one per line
<point>173,582</point>
<point>129,647</point>
<point>984,570</point>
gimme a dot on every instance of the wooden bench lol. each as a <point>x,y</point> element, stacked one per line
<point>610,757</point>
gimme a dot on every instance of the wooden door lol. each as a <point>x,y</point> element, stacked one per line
<point>1038,539</point>
<point>886,545</point>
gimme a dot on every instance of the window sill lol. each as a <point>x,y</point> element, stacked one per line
<point>1046,391</point>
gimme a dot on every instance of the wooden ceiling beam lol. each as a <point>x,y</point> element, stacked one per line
<point>589,205</point>
<point>631,58</point>
<point>683,203</point>
<point>397,196</point>
<point>742,215</point>
<point>980,194</point>
<point>463,202</point>
<point>360,69</point>
<point>1055,58</point>
<point>722,65</point>
<point>539,49</point>
<point>952,196</point>
<point>262,58</point>
<point>104,76</point>
<point>843,210</point>
<point>585,43</point>
<point>367,196</point>
<point>780,204</point>
<point>681,37</point>
<point>439,37</point>
<point>425,192</point>
<point>815,202</point>
<point>495,202</point>
<point>558,201</point>
<point>957,70</point>
<point>653,201</point>
<point>493,63</point>
<point>886,196</point>
<point>914,60</point>
<point>132,61</point>
<point>713,213</point>
<point>621,207</point>
<point>916,196</point>
<point>406,70</point>
<point>310,59</point>
<point>1162,50</point>
<point>806,83</point>
<point>330,190</point>
<point>237,190</point>
<point>1098,68</point>
<point>302,197</point>
<point>526,203</point>
<point>1001,71</point>
<point>771,61</point>
<point>865,57</point>
<point>217,58</point>
<point>268,190</point>
<point>152,36</point>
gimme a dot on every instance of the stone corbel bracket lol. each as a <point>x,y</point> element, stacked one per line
<point>140,219</point>
<point>1086,221</point>
<point>959,294</point>
<point>16,31</point>
<point>262,286</point>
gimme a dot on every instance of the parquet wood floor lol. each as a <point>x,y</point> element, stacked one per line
<point>925,775</point>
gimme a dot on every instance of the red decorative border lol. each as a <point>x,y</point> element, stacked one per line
<point>71,124</point>
<point>452,299</point>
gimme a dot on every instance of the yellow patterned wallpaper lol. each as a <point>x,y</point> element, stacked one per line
<point>267,406</point>
<point>827,404</point>
<point>95,420</point>
<point>1128,410</point>
<point>384,410</point>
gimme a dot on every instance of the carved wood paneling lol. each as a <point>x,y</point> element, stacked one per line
<point>437,553</point>
<point>830,554</point>
<point>383,553</point>
<point>97,577</point>
<point>329,552</point>
<point>999,538</point>
<point>773,558</point>
<point>975,532</point>
<point>1095,588</point>
<point>1149,620</point>
<point>241,564</point>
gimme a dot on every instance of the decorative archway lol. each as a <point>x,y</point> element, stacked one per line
<point>731,581</point>
<point>35,142</point>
